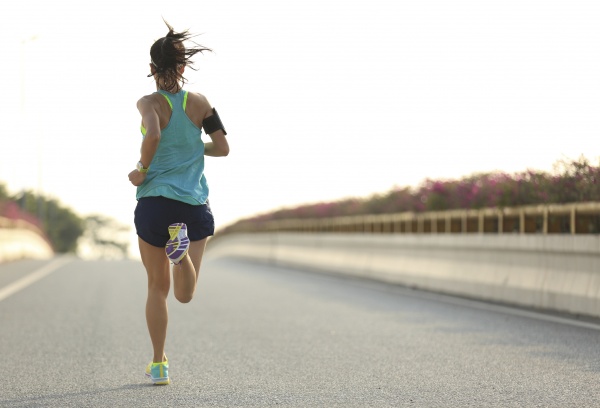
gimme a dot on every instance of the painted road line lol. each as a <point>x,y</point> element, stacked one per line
<point>32,277</point>
<point>495,307</point>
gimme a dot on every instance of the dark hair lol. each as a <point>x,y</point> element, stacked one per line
<point>168,53</point>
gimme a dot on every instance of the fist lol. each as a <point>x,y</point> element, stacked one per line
<point>137,178</point>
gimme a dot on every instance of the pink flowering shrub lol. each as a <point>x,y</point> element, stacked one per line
<point>570,181</point>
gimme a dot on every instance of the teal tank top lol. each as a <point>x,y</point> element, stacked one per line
<point>177,169</point>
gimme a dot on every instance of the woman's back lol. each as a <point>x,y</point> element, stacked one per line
<point>197,108</point>
<point>177,170</point>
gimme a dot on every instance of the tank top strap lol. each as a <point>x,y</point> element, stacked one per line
<point>167,98</point>
<point>179,96</point>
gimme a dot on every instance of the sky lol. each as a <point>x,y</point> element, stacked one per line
<point>322,100</point>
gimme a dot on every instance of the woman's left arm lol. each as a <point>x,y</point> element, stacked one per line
<point>218,147</point>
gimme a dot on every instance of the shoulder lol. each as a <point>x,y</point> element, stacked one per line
<point>199,104</point>
<point>198,99</point>
<point>148,101</point>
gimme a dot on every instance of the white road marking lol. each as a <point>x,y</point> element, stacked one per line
<point>497,308</point>
<point>491,307</point>
<point>33,277</point>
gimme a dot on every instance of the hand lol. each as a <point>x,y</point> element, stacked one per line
<point>137,178</point>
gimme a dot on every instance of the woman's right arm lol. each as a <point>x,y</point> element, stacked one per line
<point>151,122</point>
<point>149,110</point>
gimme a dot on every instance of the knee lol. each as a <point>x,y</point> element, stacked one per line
<point>184,298</point>
<point>159,287</point>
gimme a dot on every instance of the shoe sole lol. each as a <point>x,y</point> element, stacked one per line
<point>158,381</point>
<point>184,243</point>
<point>176,245</point>
<point>174,230</point>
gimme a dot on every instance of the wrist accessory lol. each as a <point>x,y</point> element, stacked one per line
<point>140,167</point>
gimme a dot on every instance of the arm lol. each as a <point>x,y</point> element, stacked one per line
<point>218,147</point>
<point>151,122</point>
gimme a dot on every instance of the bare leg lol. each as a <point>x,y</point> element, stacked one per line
<point>185,275</point>
<point>157,267</point>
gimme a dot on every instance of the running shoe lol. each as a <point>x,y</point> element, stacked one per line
<point>177,247</point>
<point>158,372</point>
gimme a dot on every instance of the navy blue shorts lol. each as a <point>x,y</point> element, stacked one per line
<point>153,215</point>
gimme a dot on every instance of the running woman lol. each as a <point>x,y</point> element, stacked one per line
<point>172,218</point>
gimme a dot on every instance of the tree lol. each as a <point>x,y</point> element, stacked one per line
<point>62,226</point>
<point>3,193</point>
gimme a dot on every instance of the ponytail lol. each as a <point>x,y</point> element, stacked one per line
<point>169,53</point>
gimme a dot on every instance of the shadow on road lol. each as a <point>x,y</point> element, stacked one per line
<point>44,400</point>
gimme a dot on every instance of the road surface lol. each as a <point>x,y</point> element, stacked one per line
<point>73,334</point>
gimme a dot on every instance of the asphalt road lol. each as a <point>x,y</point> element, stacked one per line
<point>261,336</point>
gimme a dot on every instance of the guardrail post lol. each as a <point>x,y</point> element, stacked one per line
<point>522,221</point>
<point>500,222</point>
<point>573,220</point>
<point>480,222</point>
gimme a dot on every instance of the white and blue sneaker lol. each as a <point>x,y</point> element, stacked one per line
<point>158,372</point>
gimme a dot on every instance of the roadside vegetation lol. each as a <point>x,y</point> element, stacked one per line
<point>571,180</point>
<point>62,227</point>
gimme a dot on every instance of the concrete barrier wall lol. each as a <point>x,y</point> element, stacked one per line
<point>552,272</point>
<point>19,243</point>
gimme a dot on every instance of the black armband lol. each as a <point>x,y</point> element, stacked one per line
<point>213,123</point>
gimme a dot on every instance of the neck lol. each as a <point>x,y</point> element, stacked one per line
<point>174,89</point>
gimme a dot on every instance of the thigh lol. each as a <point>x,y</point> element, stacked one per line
<point>196,253</point>
<point>156,263</point>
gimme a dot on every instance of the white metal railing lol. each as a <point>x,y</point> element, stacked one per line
<point>575,218</point>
